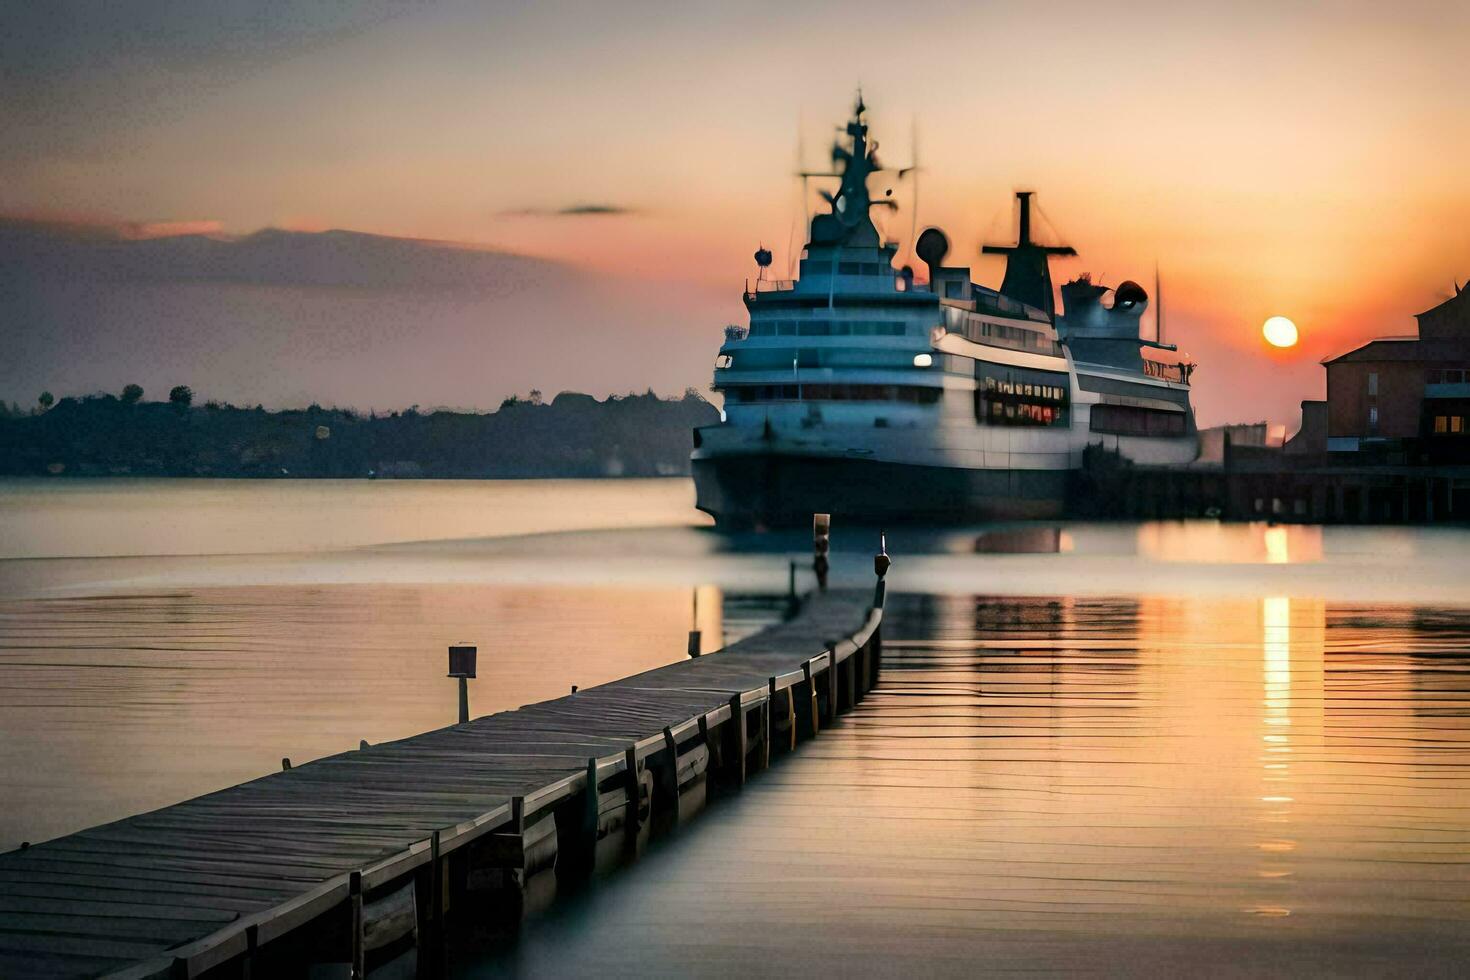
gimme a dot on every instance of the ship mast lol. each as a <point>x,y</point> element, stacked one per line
<point>1158,308</point>
<point>849,223</point>
<point>1028,275</point>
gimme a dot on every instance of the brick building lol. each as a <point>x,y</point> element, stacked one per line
<point>1405,392</point>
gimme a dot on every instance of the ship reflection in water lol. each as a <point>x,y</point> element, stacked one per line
<point>1122,785</point>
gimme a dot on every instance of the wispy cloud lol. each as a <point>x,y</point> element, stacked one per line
<point>170,229</point>
<point>571,210</point>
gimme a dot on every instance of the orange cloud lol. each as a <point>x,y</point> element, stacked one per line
<point>169,229</point>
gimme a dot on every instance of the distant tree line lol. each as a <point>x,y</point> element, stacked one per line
<point>573,435</point>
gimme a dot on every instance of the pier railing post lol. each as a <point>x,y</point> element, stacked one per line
<point>831,682</point>
<point>881,564</point>
<point>815,723</point>
<point>737,731</point>
<point>696,638</point>
<point>354,899</point>
<point>252,949</point>
<point>671,777</point>
<point>632,822</point>
<point>821,545</point>
<point>770,723</point>
<point>431,936</point>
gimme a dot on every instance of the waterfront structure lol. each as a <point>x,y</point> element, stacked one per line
<point>862,391</point>
<point>1404,395</point>
<point>368,858</point>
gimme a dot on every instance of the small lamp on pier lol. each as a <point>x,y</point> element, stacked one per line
<point>462,665</point>
<point>821,545</point>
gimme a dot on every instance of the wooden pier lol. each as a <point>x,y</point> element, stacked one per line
<point>367,858</point>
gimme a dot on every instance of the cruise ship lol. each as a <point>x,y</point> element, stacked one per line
<point>879,395</point>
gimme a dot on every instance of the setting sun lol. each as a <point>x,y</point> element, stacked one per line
<point>1279,332</point>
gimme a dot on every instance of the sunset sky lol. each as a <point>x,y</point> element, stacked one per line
<point>1301,159</point>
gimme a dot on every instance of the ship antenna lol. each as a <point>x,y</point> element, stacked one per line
<point>1158,307</point>
<point>806,197</point>
<point>914,166</point>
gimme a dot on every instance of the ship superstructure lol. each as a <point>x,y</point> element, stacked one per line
<point>860,390</point>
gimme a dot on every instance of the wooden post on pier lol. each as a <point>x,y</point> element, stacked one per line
<point>874,646</point>
<point>632,820</point>
<point>814,721</point>
<point>831,681</point>
<point>431,935</point>
<point>738,738</point>
<point>821,545</point>
<point>252,949</point>
<point>670,780</point>
<point>696,639</point>
<point>354,898</point>
<point>766,737</point>
<point>583,827</point>
<point>850,688</point>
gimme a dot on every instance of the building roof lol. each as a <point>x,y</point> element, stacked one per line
<point>1449,320</point>
<point>1402,349</point>
<point>1381,349</point>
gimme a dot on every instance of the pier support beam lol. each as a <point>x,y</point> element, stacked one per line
<point>811,709</point>
<point>738,741</point>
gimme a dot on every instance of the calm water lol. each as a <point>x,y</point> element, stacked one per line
<point>1125,748</point>
<point>1125,786</point>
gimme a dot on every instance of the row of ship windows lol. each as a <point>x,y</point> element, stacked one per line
<point>1005,386</point>
<point>1018,413</point>
<point>827,328</point>
<point>1006,395</point>
<point>981,331</point>
<point>863,269</point>
<point>994,408</point>
<point>1126,420</point>
<point>1450,377</point>
<point>1017,337</point>
<point>911,394</point>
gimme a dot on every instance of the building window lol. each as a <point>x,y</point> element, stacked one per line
<point>1372,384</point>
<point>1432,377</point>
<point>1373,415</point>
<point>1441,425</point>
<point>1457,423</point>
<point>1454,377</point>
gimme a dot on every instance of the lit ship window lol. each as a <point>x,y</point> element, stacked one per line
<point>1007,395</point>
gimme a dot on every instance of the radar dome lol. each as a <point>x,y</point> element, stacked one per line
<point>932,247</point>
<point>1129,296</point>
